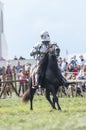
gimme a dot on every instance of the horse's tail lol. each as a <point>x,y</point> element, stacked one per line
<point>26,96</point>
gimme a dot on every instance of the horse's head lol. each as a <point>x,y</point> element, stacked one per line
<point>54,50</point>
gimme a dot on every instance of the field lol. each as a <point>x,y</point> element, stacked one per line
<point>14,115</point>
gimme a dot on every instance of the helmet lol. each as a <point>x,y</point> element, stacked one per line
<point>45,36</point>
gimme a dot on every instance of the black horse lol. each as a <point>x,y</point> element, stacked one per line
<point>51,78</point>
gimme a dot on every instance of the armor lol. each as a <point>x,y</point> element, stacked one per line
<point>39,50</point>
<point>35,52</point>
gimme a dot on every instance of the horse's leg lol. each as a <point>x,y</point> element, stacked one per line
<point>31,103</point>
<point>49,99</point>
<point>53,102</point>
<point>54,96</point>
<point>31,93</point>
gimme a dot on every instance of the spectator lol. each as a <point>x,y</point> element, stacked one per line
<point>0,70</point>
<point>9,78</point>
<point>73,60</point>
<point>21,82</point>
<point>0,82</point>
<point>19,66</point>
<point>69,71</point>
<point>76,70</point>
<point>82,60</point>
<point>15,58</point>
<point>27,74</point>
<point>64,65</point>
<point>21,58</point>
<point>84,70</point>
<point>81,73</point>
<point>27,70</point>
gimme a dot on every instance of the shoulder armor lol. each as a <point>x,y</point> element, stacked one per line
<point>37,45</point>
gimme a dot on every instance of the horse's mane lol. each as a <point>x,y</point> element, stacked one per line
<point>43,65</point>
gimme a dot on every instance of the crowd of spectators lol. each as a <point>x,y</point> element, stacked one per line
<point>72,69</point>
<point>20,73</point>
<point>20,58</point>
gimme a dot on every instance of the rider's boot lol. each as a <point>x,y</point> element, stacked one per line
<point>33,82</point>
<point>37,81</point>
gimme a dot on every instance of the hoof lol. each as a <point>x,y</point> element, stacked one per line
<point>59,109</point>
<point>54,107</point>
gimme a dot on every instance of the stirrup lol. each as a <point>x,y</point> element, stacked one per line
<point>39,86</point>
<point>34,86</point>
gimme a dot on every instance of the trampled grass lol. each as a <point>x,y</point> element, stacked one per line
<point>14,115</point>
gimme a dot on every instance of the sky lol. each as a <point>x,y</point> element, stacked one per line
<point>24,20</point>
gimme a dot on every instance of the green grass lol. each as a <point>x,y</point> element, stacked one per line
<point>14,115</point>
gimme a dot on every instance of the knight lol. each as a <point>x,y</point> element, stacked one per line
<point>38,52</point>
